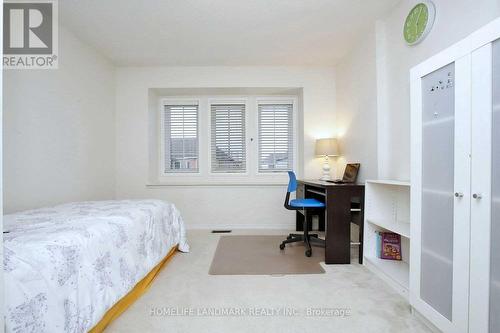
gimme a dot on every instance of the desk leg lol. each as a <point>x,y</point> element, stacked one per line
<point>338,227</point>
<point>361,226</point>
<point>321,222</point>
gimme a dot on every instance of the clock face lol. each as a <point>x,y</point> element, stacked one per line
<point>419,22</point>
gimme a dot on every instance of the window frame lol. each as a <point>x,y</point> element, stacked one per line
<point>164,102</point>
<point>277,100</point>
<point>204,176</point>
<point>235,101</point>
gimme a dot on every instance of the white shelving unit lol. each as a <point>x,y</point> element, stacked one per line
<point>387,208</point>
<point>399,227</point>
<point>389,182</point>
<point>395,273</point>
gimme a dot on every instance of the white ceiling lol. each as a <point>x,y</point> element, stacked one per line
<point>222,32</point>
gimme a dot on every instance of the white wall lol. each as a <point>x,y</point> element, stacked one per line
<point>356,109</point>
<point>58,130</point>
<point>217,206</point>
<point>454,21</point>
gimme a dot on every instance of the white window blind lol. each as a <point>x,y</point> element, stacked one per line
<point>181,138</point>
<point>228,145</point>
<point>275,137</point>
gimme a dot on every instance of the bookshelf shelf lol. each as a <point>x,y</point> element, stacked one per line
<point>387,209</point>
<point>399,227</point>
<point>398,272</point>
<point>390,182</point>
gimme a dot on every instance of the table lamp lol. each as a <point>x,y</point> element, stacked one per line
<point>326,147</point>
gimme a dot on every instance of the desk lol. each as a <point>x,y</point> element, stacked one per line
<point>338,199</point>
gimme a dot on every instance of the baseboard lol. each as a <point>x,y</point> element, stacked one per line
<point>287,226</point>
<point>424,320</point>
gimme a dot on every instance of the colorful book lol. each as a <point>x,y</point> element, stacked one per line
<point>390,246</point>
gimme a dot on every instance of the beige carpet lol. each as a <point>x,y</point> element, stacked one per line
<point>260,255</point>
<point>374,306</point>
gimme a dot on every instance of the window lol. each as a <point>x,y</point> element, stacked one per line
<point>212,139</point>
<point>275,137</point>
<point>181,138</point>
<point>228,144</point>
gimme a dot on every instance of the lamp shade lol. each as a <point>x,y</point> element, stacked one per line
<point>327,147</point>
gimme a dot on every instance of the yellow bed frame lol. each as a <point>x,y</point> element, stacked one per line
<point>140,288</point>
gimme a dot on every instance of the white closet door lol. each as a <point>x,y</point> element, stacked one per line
<point>485,204</point>
<point>440,190</point>
<point>438,133</point>
<point>481,122</point>
<point>494,296</point>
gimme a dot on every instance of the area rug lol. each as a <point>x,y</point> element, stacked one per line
<point>260,255</point>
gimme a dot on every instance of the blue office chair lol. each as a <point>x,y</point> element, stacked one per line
<point>309,207</point>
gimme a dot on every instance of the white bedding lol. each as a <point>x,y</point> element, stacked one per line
<point>65,266</point>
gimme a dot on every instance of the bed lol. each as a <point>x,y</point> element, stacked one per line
<point>66,266</point>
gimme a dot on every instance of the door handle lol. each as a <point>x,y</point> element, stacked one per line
<point>459,195</point>
<point>477,196</point>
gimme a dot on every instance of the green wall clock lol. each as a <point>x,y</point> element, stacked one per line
<point>419,22</point>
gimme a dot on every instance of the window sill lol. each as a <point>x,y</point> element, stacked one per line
<point>217,184</point>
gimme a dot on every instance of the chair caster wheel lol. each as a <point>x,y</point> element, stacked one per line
<point>282,246</point>
<point>309,253</point>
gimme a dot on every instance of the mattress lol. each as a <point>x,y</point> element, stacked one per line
<point>65,266</point>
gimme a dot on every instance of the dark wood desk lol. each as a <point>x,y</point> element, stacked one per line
<point>338,199</point>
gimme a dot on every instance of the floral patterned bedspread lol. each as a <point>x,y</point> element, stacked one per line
<point>65,266</point>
